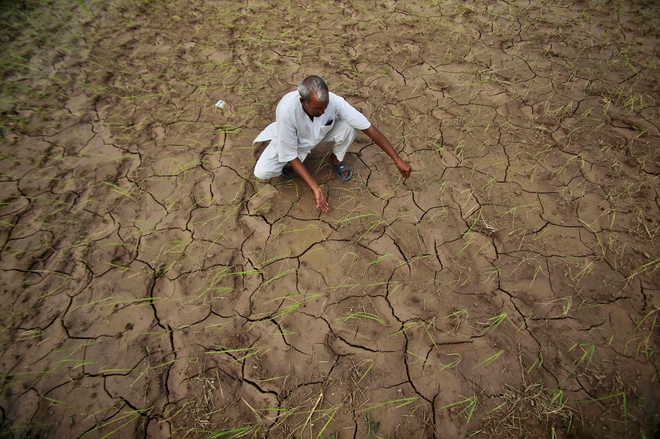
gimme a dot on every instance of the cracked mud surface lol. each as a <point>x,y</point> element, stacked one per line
<point>153,288</point>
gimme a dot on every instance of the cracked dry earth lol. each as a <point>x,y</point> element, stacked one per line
<point>151,287</point>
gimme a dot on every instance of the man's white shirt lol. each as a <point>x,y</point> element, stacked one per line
<point>293,132</point>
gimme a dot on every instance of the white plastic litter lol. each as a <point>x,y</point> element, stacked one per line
<point>220,104</point>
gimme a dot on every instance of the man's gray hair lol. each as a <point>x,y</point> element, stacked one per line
<point>313,86</point>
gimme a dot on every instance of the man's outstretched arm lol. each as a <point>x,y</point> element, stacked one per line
<point>384,144</point>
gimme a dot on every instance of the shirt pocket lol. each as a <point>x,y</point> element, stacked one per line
<point>327,126</point>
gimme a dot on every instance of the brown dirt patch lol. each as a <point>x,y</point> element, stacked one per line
<point>153,288</point>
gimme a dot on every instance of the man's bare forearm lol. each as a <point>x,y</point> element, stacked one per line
<point>384,144</point>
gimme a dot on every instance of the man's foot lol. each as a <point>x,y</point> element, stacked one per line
<point>288,172</point>
<point>343,171</point>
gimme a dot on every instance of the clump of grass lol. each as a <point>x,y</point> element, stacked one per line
<point>588,350</point>
<point>645,345</point>
<point>396,403</point>
<point>532,405</point>
<point>364,315</point>
<point>490,360</point>
<point>372,427</point>
<point>493,323</point>
<point>457,318</point>
<point>647,268</point>
<point>238,354</point>
<point>468,405</point>
<point>567,302</point>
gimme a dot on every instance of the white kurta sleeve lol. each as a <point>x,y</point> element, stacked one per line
<point>287,139</point>
<point>350,115</point>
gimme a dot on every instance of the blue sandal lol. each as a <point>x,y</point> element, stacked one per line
<point>288,172</point>
<point>340,168</point>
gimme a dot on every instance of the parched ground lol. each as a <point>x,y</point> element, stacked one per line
<point>152,287</point>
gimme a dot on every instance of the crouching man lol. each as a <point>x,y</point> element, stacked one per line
<point>306,118</point>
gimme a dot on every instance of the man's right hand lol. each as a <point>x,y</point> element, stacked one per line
<point>300,169</point>
<point>320,199</point>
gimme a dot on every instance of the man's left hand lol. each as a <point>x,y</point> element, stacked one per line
<point>404,168</point>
